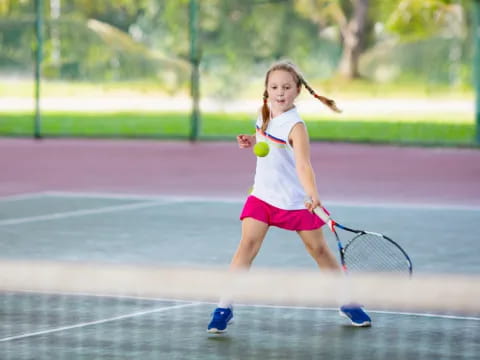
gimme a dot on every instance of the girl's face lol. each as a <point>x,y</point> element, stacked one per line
<point>282,91</point>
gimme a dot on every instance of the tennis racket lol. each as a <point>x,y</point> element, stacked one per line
<point>368,251</point>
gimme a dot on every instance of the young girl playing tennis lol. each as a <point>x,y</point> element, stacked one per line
<point>283,180</point>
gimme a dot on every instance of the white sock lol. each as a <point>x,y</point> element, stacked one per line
<point>225,303</point>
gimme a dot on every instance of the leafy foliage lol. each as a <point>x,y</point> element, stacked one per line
<point>149,39</point>
<point>418,19</point>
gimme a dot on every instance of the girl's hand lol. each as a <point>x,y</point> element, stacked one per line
<point>313,203</point>
<point>245,141</point>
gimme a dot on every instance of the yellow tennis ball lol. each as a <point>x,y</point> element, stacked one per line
<point>261,149</point>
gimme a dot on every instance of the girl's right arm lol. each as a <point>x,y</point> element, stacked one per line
<point>245,141</point>
<point>301,149</point>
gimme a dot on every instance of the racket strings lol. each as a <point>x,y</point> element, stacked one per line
<point>370,252</point>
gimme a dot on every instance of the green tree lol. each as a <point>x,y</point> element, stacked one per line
<point>443,21</point>
<point>356,20</point>
<point>419,19</point>
<point>351,18</point>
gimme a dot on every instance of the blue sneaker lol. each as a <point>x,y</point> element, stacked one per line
<point>357,316</point>
<point>220,319</point>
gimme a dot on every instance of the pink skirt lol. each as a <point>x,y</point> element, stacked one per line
<point>296,220</point>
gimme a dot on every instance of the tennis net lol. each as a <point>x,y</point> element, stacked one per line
<point>99,311</point>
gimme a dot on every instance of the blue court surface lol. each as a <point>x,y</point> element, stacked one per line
<point>195,231</point>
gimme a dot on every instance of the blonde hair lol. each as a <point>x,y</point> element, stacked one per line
<point>299,81</point>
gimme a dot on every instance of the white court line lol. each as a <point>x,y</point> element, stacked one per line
<point>113,196</point>
<point>102,321</point>
<point>24,196</point>
<point>67,214</point>
<point>441,316</point>
<point>233,199</point>
<point>241,199</point>
<point>287,307</point>
<point>412,206</point>
<point>170,198</point>
<point>430,315</point>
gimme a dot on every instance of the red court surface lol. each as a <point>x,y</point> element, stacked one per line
<point>345,172</point>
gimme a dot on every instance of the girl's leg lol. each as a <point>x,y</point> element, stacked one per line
<point>317,247</point>
<point>253,233</point>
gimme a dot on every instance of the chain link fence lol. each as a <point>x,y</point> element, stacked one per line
<point>195,70</point>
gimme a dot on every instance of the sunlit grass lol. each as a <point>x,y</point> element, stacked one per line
<point>431,130</point>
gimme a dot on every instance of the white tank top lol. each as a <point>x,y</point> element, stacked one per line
<point>276,179</point>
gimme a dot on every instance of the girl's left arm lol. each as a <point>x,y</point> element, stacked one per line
<point>300,142</point>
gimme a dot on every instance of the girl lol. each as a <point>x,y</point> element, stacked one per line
<point>283,180</point>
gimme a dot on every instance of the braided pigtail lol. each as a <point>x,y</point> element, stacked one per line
<point>299,81</point>
<point>265,112</point>
<point>328,102</point>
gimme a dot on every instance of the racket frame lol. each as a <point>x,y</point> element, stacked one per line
<point>332,224</point>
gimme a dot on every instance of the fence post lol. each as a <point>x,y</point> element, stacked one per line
<point>195,75</point>
<point>38,64</point>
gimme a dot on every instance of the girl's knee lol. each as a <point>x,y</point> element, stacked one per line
<point>250,243</point>
<point>319,249</point>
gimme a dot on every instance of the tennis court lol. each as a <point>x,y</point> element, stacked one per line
<point>195,231</point>
<point>127,203</point>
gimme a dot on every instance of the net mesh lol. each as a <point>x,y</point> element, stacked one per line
<point>374,252</point>
<point>91,311</point>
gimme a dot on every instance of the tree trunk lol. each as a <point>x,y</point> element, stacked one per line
<point>353,37</point>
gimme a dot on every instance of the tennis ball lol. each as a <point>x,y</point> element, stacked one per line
<point>261,149</point>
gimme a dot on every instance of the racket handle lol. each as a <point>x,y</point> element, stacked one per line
<point>322,214</point>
